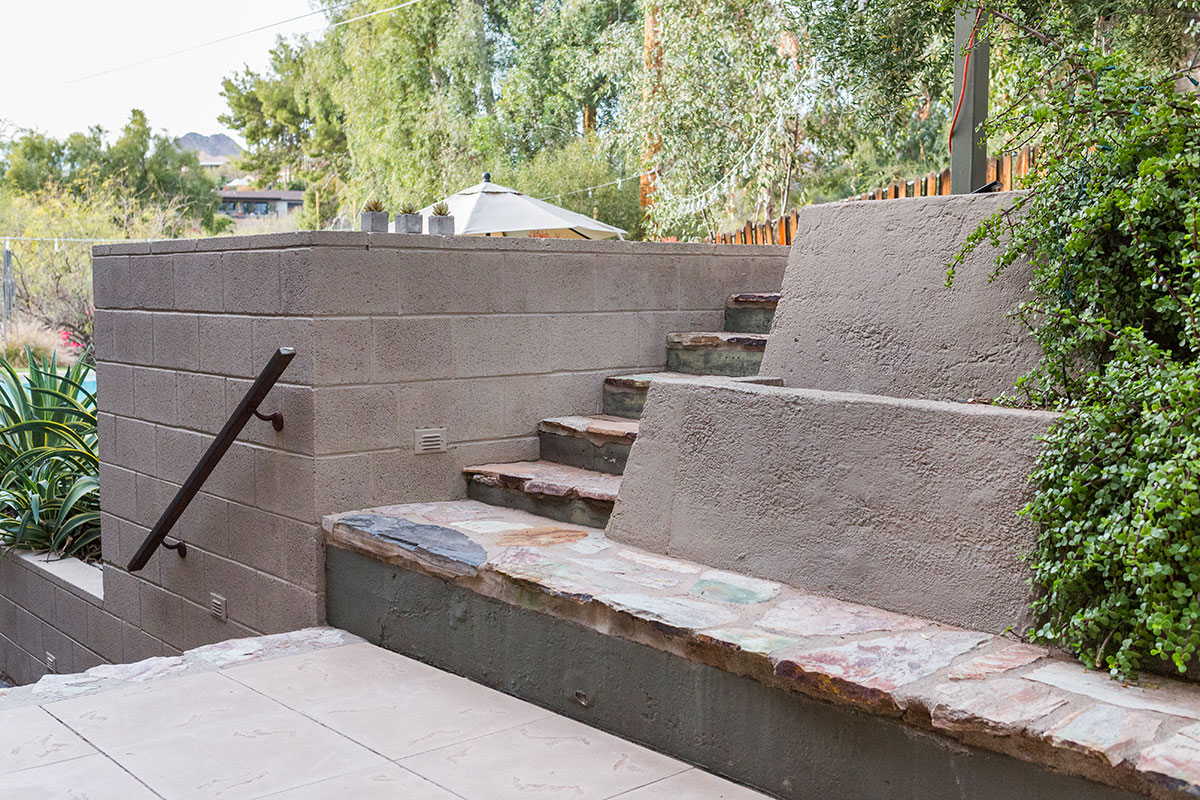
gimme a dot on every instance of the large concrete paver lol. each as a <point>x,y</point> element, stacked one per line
<point>305,716</point>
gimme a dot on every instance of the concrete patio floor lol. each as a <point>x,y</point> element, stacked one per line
<point>350,721</point>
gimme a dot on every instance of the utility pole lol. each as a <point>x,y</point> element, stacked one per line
<point>651,86</point>
<point>968,148</point>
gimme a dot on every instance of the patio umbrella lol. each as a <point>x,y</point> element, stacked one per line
<point>489,209</point>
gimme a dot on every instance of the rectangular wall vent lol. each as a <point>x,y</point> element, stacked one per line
<point>51,663</point>
<point>216,604</point>
<point>429,440</point>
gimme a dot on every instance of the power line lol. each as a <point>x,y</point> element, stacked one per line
<point>173,53</point>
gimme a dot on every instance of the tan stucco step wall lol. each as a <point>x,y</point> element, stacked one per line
<point>908,505</point>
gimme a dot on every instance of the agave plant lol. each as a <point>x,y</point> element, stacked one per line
<point>49,485</point>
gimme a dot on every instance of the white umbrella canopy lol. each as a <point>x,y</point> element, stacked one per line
<point>489,208</point>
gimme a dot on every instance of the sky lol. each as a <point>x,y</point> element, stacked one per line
<point>50,43</point>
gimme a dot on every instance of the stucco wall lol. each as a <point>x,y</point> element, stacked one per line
<point>865,308</point>
<point>908,505</point>
<point>484,336</point>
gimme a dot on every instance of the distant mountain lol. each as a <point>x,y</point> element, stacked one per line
<point>218,144</point>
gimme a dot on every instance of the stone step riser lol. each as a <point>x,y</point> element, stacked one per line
<point>572,510</point>
<point>714,361</point>
<point>624,401</point>
<point>577,451</point>
<point>748,319</point>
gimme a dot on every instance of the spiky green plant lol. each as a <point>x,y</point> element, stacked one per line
<point>49,484</point>
<point>441,210</point>
<point>408,207</point>
<point>374,206</point>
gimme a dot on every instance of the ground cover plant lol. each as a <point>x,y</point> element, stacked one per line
<point>1111,226</point>
<point>49,486</point>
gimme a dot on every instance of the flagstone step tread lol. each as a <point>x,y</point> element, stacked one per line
<point>764,300</point>
<point>597,428</point>
<point>981,689</point>
<point>548,478</point>
<point>599,442</point>
<point>625,395</point>
<point>722,340</point>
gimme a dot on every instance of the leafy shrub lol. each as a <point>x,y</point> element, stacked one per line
<point>49,488</point>
<point>1111,227</point>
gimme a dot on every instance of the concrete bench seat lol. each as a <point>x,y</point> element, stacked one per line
<point>475,565</point>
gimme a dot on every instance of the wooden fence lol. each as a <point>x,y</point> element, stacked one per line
<point>1004,168</point>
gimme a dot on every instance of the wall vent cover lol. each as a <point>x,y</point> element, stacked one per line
<point>51,663</point>
<point>216,605</point>
<point>429,440</point>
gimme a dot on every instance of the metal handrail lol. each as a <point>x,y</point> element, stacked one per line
<point>208,462</point>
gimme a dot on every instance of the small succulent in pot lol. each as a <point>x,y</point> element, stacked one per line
<point>440,221</point>
<point>374,218</point>
<point>408,220</point>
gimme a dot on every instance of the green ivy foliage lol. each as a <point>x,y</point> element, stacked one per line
<point>1111,227</point>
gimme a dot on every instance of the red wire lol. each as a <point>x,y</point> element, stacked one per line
<point>966,67</point>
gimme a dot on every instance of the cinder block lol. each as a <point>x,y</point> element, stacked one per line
<point>631,282</point>
<point>61,647</point>
<point>186,577</point>
<point>153,497</point>
<point>154,397</point>
<point>22,628</point>
<point>503,345</point>
<point>162,614</point>
<point>284,607</point>
<point>84,659</point>
<point>110,282</point>
<point>71,615</point>
<point>118,494</point>
<point>132,445</point>
<point>176,341</point>
<point>410,348</point>
<point>201,628</point>
<point>130,537</point>
<point>177,453</point>
<point>151,282</point>
<point>355,418</point>
<point>106,426</point>
<point>114,388</point>
<point>251,281</point>
<point>284,484</point>
<point>234,477</point>
<point>282,547</point>
<point>294,402</point>
<point>542,282</point>
<point>530,399</point>
<point>705,283</point>
<point>133,337</point>
<point>296,281</point>
<point>102,335</point>
<point>201,401</point>
<point>241,587</point>
<point>437,281</point>
<point>121,595</point>
<point>342,350</point>
<point>225,345</point>
<point>469,409</point>
<point>343,483</point>
<point>104,634</point>
<point>205,524</point>
<point>355,281</point>
<point>137,645</point>
<point>199,282</point>
<point>110,541</point>
<point>270,333</point>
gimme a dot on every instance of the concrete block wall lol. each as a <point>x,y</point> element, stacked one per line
<point>483,336</point>
<point>53,608</point>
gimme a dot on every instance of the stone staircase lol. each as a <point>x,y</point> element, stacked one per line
<point>581,459</point>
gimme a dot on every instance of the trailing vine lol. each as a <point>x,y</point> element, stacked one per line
<point>1110,224</point>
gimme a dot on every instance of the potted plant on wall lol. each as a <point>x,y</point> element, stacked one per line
<point>440,221</point>
<point>408,220</point>
<point>374,219</point>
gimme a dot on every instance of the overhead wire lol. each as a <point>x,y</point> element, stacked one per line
<point>219,40</point>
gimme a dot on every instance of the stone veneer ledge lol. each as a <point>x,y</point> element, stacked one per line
<point>983,690</point>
